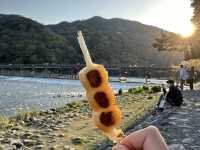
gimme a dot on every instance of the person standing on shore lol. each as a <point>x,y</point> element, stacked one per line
<point>191,77</point>
<point>147,76</point>
<point>183,75</point>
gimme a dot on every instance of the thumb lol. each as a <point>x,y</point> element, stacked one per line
<point>120,147</point>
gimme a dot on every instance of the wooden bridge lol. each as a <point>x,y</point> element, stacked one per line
<point>61,70</point>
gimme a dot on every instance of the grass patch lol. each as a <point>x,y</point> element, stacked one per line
<point>4,122</point>
<point>156,89</point>
<point>26,115</point>
<point>145,90</point>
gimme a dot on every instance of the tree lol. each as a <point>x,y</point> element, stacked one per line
<point>169,41</point>
<point>196,21</point>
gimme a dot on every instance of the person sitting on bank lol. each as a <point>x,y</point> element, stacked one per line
<point>173,96</point>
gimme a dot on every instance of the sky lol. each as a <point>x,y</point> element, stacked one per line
<point>171,15</point>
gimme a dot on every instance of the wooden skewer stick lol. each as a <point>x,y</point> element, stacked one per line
<point>84,49</point>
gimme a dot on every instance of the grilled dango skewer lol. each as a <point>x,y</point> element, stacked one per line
<point>94,78</point>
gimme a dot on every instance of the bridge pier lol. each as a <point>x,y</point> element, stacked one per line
<point>21,71</point>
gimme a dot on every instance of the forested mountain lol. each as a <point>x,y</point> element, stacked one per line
<point>25,41</point>
<point>111,41</point>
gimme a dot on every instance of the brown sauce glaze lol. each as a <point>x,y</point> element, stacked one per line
<point>107,118</point>
<point>101,99</point>
<point>94,78</point>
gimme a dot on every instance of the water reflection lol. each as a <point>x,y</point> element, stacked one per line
<point>25,93</point>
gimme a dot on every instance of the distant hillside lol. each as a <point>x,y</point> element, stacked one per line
<point>117,41</point>
<point>111,41</point>
<point>25,41</point>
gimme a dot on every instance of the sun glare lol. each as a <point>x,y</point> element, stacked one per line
<point>171,15</point>
<point>186,30</point>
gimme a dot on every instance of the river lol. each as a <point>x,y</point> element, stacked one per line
<point>19,94</point>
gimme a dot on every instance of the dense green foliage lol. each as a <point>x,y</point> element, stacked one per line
<point>169,41</point>
<point>111,41</point>
<point>117,41</point>
<point>196,37</point>
<point>24,41</point>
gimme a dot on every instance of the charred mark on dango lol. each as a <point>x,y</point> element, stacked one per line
<point>94,78</point>
<point>101,99</point>
<point>107,119</point>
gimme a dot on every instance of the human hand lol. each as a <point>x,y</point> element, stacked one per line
<point>146,139</point>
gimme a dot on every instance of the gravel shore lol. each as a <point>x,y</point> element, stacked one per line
<point>69,127</point>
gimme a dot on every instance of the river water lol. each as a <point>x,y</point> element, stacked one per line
<point>19,94</point>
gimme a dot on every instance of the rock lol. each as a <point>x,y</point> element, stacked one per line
<point>61,135</point>
<point>26,135</point>
<point>17,128</point>
<point>67,147</point>
<point>176,147</point>
<point>59,121</point>
<point>21,122</point>
<point>195,147</point>
<point>46,131</point>
<point>34,119</point>
<point>42,112</point>
<point>71,115</point>
<point>52,136</point>
<point>53,148</point>
<point>55,128</point>
<point>6,141</point>
<point>35,136</point>
<point>53,109</point>
<point>50,112</point>
<point>29,143</point>
<point>39,147</point>
<point>126,115</point>
<point>18,145</point>
<point>77,140</point>
<point>149,97</point>
<point>51,140</point>
<point>60,126</point>
<point>188,140</point>
<point>75,115</point>
<point>39,142</point>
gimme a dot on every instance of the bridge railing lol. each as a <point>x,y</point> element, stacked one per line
<point>79,65</point>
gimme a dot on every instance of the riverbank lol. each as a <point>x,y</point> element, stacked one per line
<point>70,127</point>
